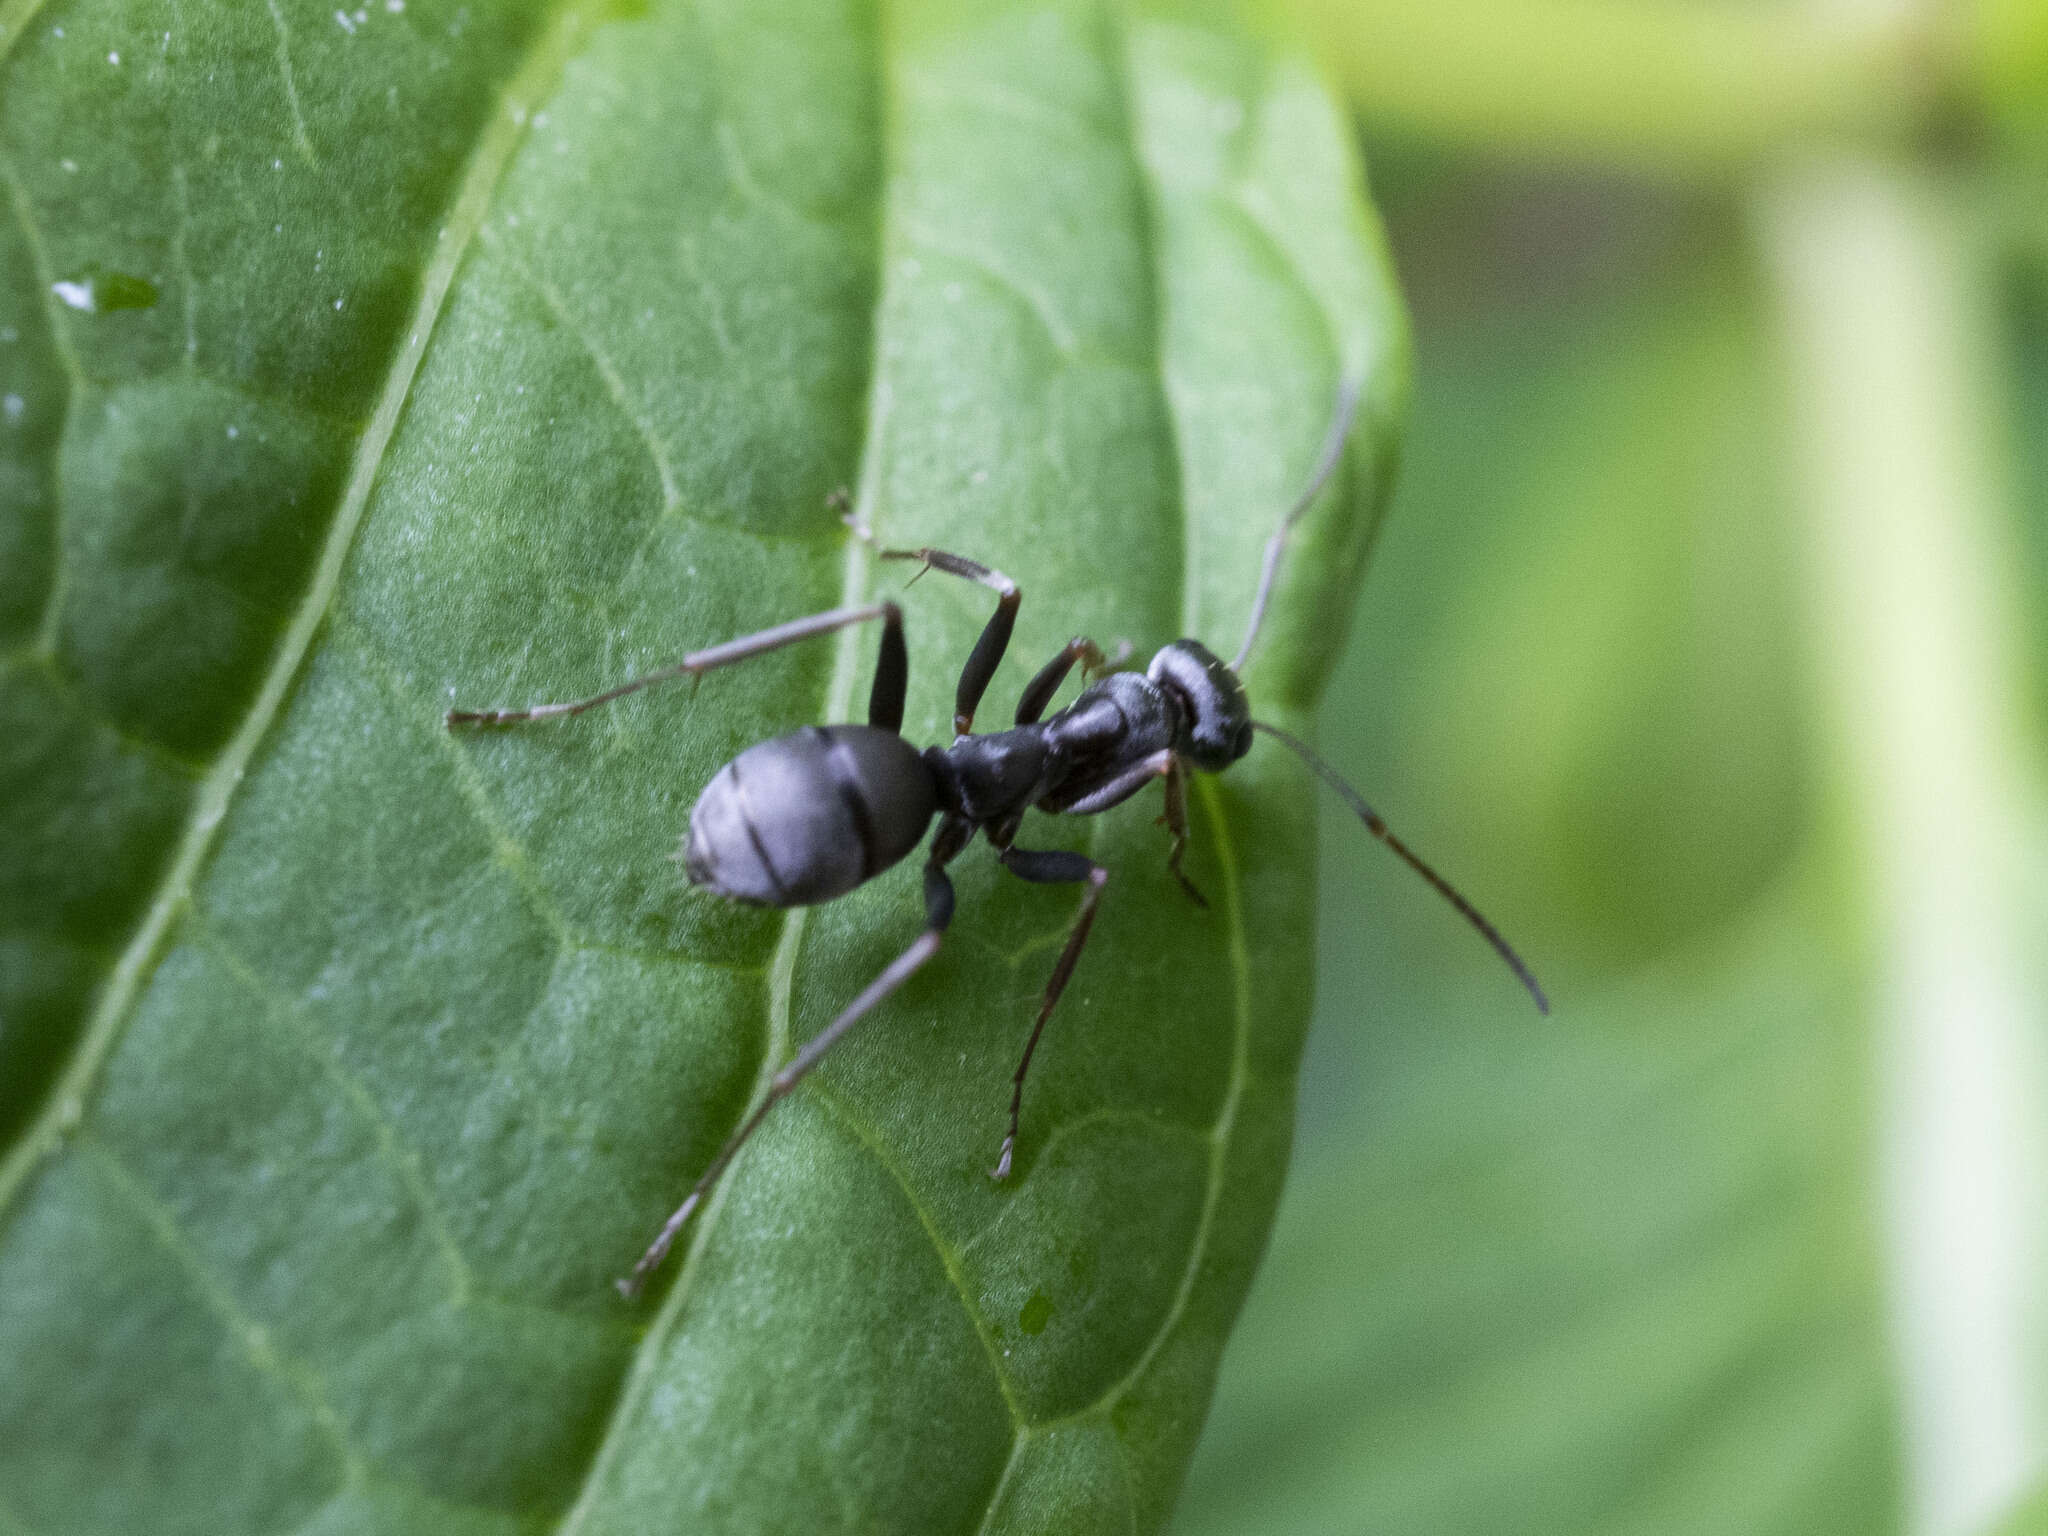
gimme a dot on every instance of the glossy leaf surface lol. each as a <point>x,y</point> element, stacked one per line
<point>361,362</point>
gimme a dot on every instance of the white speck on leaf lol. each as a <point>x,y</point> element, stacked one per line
<point>77,295</point>
<point>13,406</point>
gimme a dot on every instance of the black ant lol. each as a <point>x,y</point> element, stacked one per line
<point>811,815</point>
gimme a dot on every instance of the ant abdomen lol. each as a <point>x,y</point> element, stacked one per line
<point>809,816</point>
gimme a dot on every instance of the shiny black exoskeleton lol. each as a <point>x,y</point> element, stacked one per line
<point>809,816</point>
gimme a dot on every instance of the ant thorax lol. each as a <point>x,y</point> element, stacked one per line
<point>986,778</point>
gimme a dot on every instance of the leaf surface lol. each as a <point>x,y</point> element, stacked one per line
<point>369,361</point>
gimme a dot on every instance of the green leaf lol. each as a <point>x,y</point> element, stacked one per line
<point>500,352</point>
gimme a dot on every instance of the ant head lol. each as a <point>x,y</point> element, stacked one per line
<point>1217,718</point>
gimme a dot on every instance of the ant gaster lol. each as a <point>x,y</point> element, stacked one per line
<point>811,815</point>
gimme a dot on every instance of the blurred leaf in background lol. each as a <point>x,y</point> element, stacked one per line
<point>1571,1276</point>
<point>1693,648</point>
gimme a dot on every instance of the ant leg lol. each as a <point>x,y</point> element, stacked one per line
<point>1122,787</point>
<point>988,650</point>
<point>938,905</point>
<point>1176,819</point>
<point>892,675</point>
<point>1039,691</point>
<point>697,663</point>
<point>1048,869</point>
<point>994,639</point>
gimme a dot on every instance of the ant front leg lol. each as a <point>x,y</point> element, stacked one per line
<point>938,908</point>
<point>1039,691</point>
<point>1157,765</point>
<point>1176,819</point>
<point>697,663</point>
<point>1048,869</point>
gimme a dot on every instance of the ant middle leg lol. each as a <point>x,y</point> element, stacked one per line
<point>1048,868</point>
<point>697,663</point>
<point>892,675</point>
<point>938,907</point>
<point>994,640</point>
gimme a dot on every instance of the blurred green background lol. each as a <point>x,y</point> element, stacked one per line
<point>1705,647</point>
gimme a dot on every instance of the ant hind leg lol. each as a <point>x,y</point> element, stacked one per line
<point>1048,868</point>
<point>938,906</point>
<point>697,663</point>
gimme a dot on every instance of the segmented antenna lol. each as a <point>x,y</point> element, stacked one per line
<point>1378,829</point>
<point>1333,450</point>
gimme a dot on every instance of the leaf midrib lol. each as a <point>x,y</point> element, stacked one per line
<point>555,43</point>
<point>15,15</point>
<point>638,1379</point>
<point>838,700</point>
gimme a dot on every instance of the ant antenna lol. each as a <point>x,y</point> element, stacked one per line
<point>1333,450</point>
<point>1378,829</point>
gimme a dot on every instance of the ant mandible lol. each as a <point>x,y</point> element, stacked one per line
<point>809,816</point>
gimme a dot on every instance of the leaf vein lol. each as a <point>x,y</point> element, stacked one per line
<point>948,1259</point>
<point>300,141</point>
<point>36,659</point>
<point>509,855</point>
<point>1220,1132</point>
<point>74,374</point>
<point>258,1347</point>
<point>614,382</point>
<point>1033,298</point>
<point>740,176</point>
<point>493,152</point>
<point>15,15</point>
<point>1018,1444</point>
<point>775,1047</point>
<point>392,1149</point>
